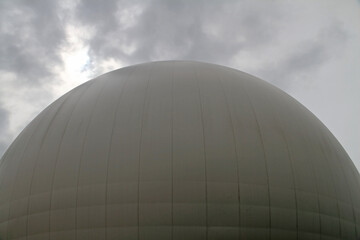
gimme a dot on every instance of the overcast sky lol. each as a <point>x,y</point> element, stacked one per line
<point>310,49</point>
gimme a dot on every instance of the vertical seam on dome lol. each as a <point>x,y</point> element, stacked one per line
<point>317,196</point>
<point>331,176</point>
<point>264,153</point>
<point>349,190</point>
<point>333,181</point>
<point>140,144</point>
<point>335,142</point>
<point>350,193</point>
<point>293,179</point>
<point>292,176</point>
<point>346,180</point>
<point>204,149</point>
<point>110,144</point>
<point>36,162</point>
<point>235,148</point>
<point>16,174</point>
<point>82,154</point>
<point>57,156</point>
<point>172,154</point>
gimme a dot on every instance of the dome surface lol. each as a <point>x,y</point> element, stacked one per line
<point>177,150</point>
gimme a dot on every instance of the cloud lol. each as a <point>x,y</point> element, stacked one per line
<point>133,32</point>
<point>30,36</point>
<point>307,58</point>
<point>224,32</point>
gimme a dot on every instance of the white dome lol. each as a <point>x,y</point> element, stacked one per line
<point>177,150</point>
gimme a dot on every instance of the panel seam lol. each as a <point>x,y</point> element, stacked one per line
<point>82,154</point>
<point>264,152</point>
<point>333,181</point>
<point>293,179</point>
<point>57,156</point>
<point>36,161</point>
<point>204,149</point>
<point>129,75</point>
<point>22,159</point>
<point>172,154</point>
<point>235,148</point>
<point>140,147</point>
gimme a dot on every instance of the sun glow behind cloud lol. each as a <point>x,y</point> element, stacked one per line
<point>75,56</point>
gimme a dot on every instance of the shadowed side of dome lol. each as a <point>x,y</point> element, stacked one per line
<point>177,150</point>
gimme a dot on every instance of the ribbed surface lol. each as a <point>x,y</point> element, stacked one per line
<point>177,150</point>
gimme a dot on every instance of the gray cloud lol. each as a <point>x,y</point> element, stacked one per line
<point>211,32</point>
<point>308,57</point>
<point>30,36</point>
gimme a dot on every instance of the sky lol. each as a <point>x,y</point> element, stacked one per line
<point>308,48</point>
